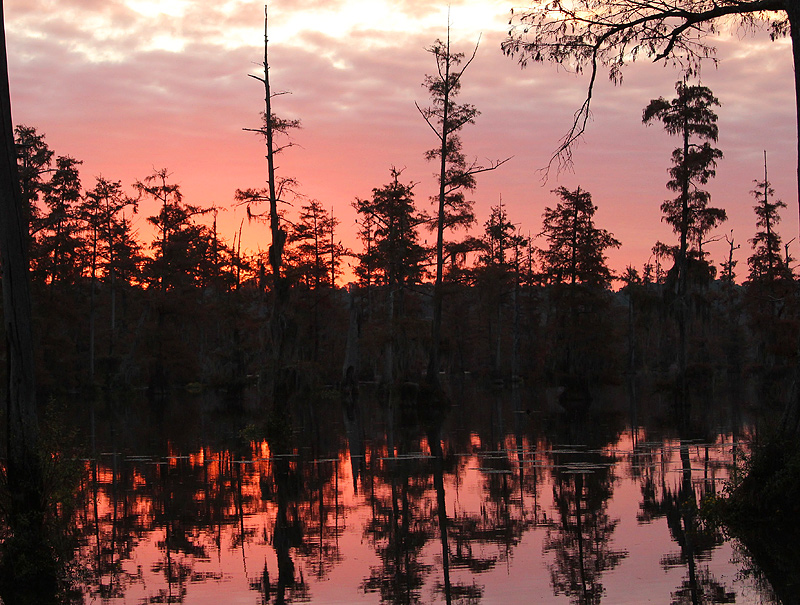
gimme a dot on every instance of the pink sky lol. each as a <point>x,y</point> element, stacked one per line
<point>132,85</point>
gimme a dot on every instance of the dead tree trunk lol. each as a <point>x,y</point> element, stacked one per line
<point>280,287</point>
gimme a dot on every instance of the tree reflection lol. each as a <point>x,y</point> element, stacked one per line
<point>441,503</point>
<point>679,506</point>
<point>400,526</point>
<point>508,471</point>
<point>581,539</point>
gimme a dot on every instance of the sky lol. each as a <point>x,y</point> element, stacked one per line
<point>129,86</point>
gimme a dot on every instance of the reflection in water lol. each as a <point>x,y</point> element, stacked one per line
<point>489,501</point>
<point>679,506</point>
<point>581,539</point>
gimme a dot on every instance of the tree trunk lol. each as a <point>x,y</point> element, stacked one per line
<point>436,324</point>
<point>793,12</point>
<point>23,470</point>
<point>791,420</point>
<point>683,283</point>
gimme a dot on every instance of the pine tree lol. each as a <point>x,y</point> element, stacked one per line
<point>690,116</point>
<point>394,259</point>
<point>168,266</point>
<point>314,253</point>
<point>390,232</point>
<point>767,264</point>
<point>576,249</point>
<point>34,160</point>
<point>59,243</point>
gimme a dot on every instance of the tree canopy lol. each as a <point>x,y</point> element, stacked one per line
<point>576,248</point>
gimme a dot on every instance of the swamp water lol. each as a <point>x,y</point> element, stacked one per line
<point>525,502</point>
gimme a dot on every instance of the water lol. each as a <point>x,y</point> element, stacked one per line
<point>188,504</point>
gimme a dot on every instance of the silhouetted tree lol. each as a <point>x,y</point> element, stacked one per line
<point>767,264</point>
<point>446,118</point>
<point>272,129</point>
<point>390,223</point>
<point>393,258</point>
<point>576,249</point>
<point>57,254</point>
<point>174,228</point>
<point>729,264</point>
<point>314,254</point>
<point>99,211</point>
<point>690,116</point>
<point>497,274</point>
<point>574,263</point>
<point>34,158</point>
<point>27,571</point>
<point>117,253</point>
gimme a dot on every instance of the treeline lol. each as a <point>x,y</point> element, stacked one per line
<point>190,307</point>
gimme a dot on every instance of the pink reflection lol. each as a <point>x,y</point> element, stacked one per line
<point>566,523</point>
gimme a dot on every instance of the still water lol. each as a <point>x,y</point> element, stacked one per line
<point>524,502</point>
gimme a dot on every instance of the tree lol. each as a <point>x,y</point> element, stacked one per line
<point>767,265</point>
<point>574,263</point>
<point>313,246</point>
<point>99,212</point>
<point>689,115</point>
<point>590,34</point>
<point>26,575</point>
<point>500,236</point>
<point>575,252</point>
<point>446,118</point>
<point>390,221</point>
<point>34,159</point>
<point>273,127</point>
<point>58,243</point>
<point>170,245</point>
<point>497,275</point>
<point>113,245</point>
<point>729,265</point>
<point>393,258</point>
<point>313,257</point>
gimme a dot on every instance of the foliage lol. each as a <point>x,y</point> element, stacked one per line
<point>314,253</point>
<point>689,115</point>
<point>58,244</point>
<point>34,158</point>
<point>390,233</point>
<point>575,252</point>
<point>767,263</point>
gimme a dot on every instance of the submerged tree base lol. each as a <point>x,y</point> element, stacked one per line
<point>773,552</point>
<point>770,491</point>
<point>762,511</point>
<point>28,569</point>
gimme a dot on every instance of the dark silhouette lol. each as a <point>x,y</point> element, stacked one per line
<point>456,176</point>
<point>690,116</point>
<point>27,565</point>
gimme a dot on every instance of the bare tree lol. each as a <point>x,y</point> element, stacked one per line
<point>272,128</point>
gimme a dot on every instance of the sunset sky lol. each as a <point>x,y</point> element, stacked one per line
<point>132,85</point>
